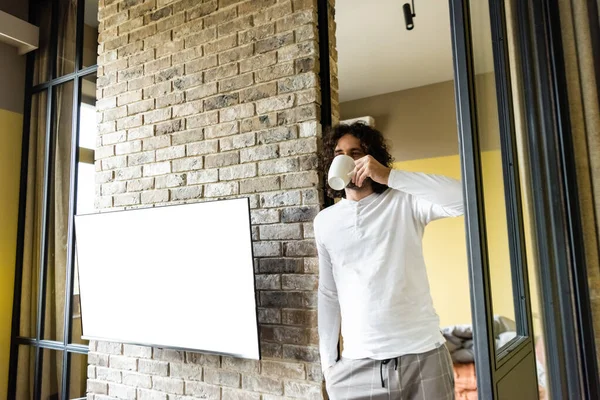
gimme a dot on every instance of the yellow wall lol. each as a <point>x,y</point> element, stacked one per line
<point>444,244</point>
<point>10,159</point>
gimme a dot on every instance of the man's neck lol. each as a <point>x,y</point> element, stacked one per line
<point>359,193</point>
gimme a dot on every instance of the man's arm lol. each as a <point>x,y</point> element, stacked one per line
<point>329,318</point>
<point>434,196</point>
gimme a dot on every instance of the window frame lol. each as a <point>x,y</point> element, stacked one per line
<point>38,343</point>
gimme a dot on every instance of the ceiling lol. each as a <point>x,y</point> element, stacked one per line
<point>376,54</point>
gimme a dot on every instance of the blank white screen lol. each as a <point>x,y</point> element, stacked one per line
<point>177,276</point>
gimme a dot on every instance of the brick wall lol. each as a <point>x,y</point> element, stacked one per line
<point>208,100</point>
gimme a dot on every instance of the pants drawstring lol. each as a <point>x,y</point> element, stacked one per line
<point>385,362</point>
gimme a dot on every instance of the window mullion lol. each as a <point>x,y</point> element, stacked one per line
<point>41,306</point>
<point>72,197</point>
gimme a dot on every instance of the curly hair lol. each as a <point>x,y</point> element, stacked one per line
<point>372,143</point>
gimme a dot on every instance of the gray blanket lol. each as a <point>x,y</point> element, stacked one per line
<point>459,338</point>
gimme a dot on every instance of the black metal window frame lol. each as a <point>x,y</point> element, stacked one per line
<point>569,328</point>
<point>491,361</point>
<point>38,343</point>
<point>571,363</point>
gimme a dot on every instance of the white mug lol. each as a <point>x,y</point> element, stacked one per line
<point>340,172</point>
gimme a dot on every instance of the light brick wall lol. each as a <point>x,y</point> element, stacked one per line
<point>209,100</point>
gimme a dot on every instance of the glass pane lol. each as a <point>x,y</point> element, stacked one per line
<point>67,33</point>
<point>87,117</point>
<point>78,376</point>
<point>25,372</point>
<point>58,212</point>
<point>33,219</point>
<point>76,324</point>
<point>493,181</point>
<point>52,371</point>
<point>85,184</point>
<point>87,126</point>
<point>90,33</point>
<point>85,205</point>
<point>42,18</point>
<point>85,187</point>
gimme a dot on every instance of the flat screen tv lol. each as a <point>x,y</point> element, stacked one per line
<point>177,276</point>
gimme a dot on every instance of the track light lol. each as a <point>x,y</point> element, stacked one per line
<point>409,15</point>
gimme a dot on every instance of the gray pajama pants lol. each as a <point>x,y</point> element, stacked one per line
<point>426,376</point>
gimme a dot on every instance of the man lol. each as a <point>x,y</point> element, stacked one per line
<point>373,281</point>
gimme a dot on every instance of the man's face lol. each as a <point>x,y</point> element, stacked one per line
<point>350,146</point>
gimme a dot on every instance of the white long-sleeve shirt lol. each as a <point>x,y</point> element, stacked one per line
<point>373,282</point>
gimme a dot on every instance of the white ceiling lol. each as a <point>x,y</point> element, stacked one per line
<point>376,54</point>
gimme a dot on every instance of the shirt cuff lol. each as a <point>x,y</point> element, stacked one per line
<point>395,178</point>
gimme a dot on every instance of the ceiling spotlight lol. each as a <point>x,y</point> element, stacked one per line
<point>409,15</point>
